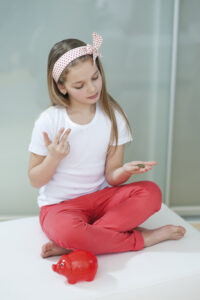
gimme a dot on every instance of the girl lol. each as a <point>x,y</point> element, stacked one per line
<point>76,161</point>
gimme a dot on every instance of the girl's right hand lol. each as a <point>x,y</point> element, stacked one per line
<point>59,148</point>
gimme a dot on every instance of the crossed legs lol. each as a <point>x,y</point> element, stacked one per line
<point>105,221</point>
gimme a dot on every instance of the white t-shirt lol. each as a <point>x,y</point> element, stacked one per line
<point>82,170</point>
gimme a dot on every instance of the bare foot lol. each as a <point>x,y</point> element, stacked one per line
<point>51,249</point>
<point>164,233</point>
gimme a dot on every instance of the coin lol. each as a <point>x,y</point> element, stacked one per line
<point>140,166</point>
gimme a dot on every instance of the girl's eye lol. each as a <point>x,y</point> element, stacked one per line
<point>82,85</point>
<point>96,78</point>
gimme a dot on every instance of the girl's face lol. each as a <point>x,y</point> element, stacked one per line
<point>83,81</point>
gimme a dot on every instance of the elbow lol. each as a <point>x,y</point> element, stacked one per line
<point>37,186</point>
<point>33,182</point>
<point>110,181</point>
<point>114,178</point>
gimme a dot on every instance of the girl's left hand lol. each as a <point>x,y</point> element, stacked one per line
<point>133,168</point>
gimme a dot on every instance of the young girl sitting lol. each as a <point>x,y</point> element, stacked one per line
<point>76,161</point>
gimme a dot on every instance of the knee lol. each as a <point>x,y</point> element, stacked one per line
<point>71,237</point>
<point>154,194</point>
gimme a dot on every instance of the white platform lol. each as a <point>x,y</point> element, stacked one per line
<point>169,270</point>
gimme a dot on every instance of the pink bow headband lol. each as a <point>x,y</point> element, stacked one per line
<point>70,55</point>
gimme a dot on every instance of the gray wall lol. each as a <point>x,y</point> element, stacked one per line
<point>137,61</point>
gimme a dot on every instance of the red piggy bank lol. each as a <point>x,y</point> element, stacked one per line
<point>76,266</point>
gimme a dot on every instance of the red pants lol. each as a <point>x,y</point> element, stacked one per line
<point>103,221</point>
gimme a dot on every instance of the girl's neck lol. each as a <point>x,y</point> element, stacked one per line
<point>82,115</point>
<point>82,108</point>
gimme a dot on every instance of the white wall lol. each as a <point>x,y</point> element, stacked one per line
<point>136,58</point>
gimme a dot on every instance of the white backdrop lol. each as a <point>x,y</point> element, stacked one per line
<point>136,57</point>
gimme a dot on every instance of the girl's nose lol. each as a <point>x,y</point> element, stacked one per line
<point>91,88</point>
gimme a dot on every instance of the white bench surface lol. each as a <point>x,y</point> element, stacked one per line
<point>168,270</point>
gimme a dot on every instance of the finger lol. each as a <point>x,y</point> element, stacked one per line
<point>58,135</point>
<point>47,141</point>
<point>133,168</point>
<point>138,164</point>
<point>151,163</point>
<point>67,148</point>
<point>143,164</point>
<point>141,168</point>
<point>149,168</point>
<point>64,145</point>
<point>65,135</point>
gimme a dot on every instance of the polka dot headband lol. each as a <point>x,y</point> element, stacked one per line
<point>70,55</point>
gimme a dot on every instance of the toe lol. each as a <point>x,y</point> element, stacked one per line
<point>46,249</point>
<point>182,229</point>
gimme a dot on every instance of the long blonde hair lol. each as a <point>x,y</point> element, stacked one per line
<point>57,98</point>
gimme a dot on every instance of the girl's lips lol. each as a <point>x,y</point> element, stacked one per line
<point>92,97</point>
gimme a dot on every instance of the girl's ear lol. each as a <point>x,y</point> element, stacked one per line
<point>62,89</point>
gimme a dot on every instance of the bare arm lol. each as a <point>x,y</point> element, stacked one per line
<point>42,168</point>
<point>117,173</point>
<point>114,166</point>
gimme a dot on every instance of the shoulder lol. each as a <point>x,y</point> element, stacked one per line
<point>50,113</point>
<point>117,113</point>
<point>119,117</point>
<point>49,120</point>
<point>123,127</point>
<point>51,110</point>
<point>120,120</point>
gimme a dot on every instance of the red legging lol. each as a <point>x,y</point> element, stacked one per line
<point>103,221</point>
